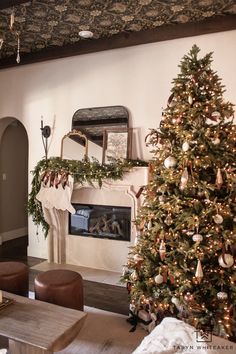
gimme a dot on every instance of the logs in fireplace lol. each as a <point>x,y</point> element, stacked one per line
<point>101,221</point>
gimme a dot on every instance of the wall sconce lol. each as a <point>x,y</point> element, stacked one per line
<point>46,132</point>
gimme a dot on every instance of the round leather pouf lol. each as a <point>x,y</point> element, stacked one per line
<point>14,278</point>
<point>61,287</point>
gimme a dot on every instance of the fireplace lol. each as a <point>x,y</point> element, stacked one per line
<point>90,250</point>
<point>101,221</point>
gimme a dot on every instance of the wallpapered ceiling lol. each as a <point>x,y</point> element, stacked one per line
<point>48,23</point>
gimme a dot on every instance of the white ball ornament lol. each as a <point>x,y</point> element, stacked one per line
<point>185,146</point>
<point>159,279</point>
<point>222,295</point>
<point>216,115</point>
<point>226,260</point>
<point>170,162</point>
<point>216,141</point>
<point>197,238</point>
<point>218,219</point>
<point>175,301</point>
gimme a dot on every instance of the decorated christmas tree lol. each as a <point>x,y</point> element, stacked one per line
<point>182,263</point>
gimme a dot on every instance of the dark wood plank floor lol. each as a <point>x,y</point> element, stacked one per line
<point>99,295</point>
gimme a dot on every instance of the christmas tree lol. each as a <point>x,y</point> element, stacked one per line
<point>182,262</point>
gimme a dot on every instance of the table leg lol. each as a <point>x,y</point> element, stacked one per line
<point>23,348</point>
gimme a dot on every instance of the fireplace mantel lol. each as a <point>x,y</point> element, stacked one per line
<point>65,248</point>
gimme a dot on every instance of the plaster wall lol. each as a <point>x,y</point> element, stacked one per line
<point>137,77</point>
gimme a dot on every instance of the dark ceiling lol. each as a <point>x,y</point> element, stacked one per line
<point>49,29</point>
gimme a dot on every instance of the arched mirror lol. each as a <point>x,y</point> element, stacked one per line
<point>93,123</point>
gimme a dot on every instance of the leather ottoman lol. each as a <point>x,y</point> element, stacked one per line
<point>14,278</point>
<point>61,287</point>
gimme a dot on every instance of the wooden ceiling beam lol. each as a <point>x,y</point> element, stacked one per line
<point>5,4</point>
<point>121,40</point>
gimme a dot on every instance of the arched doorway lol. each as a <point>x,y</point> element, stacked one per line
<point>13,189</point>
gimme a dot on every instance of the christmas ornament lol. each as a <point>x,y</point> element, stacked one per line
<point>162,199</point>
<point>160,144</point>
<point>177,303</point>
<point>234,219</point>
<point>158,279</point>
<point>149,226</point>
<point>189,233</point>
<point>226,260</point>
<point>184,179</point>
<point>218,219</point>
<point>190,99</point>
<point>199,272</point>
<point>197,238</point>
<point>176,120</point>
<point>219,179</point>
<point>170,162</point>
<point>216,141</point>
<point>222,295</point>
<point>138,258</point>
<point>185,146</point>
<point>162,250</point>
<point>188,297</point>
<point>168,220</point>
<point>134,276</point>
<point>215,116</point>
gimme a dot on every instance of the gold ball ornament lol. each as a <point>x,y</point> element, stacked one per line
<point>222,296</point>
<point>218,219</point>
<point>197,238</point>
<point>159,279</point>
<point>226,260</point>
<point>170,162</point>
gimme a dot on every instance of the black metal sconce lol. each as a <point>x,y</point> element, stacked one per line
<point>46,132</point>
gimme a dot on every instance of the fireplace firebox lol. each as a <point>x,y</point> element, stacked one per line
<point>101,221</point>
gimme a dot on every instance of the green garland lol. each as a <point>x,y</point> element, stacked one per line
<point>82,171</point>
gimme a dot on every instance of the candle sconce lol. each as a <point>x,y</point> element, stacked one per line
<point>46,132</point>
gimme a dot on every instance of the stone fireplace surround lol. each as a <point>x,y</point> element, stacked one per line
<point>92,252</point>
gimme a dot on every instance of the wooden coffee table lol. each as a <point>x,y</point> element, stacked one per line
<point>37,327</point>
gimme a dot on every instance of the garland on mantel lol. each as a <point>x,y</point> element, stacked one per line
<point>83,171</point>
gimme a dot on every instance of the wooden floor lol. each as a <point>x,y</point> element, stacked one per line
<point>99,295</point>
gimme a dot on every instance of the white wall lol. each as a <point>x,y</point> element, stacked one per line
<point>137,77</point>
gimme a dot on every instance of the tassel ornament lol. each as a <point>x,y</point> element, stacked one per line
<point>219,179</point>
<point>162,250</point>
<point>199,272</point>
<point>184,179</point>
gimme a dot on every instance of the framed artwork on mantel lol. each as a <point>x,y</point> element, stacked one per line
<point>117,144</point>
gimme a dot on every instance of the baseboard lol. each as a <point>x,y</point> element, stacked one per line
<point>11,235</point>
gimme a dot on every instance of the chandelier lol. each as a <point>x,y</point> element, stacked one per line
<point>15,33</point>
